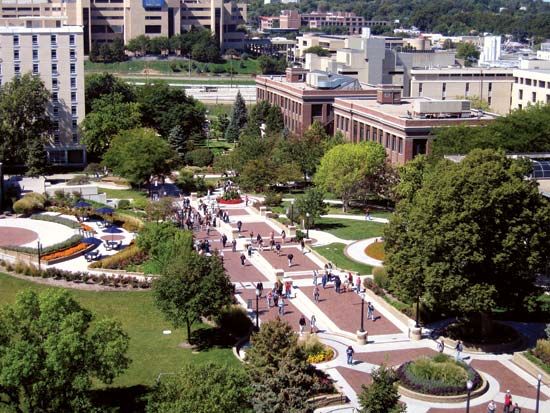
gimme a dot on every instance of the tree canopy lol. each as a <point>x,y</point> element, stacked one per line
<point>52,350</point>
<point>381,395</point>
<point>138,154</point>
<point>468,237</point>
<point>100,84</point>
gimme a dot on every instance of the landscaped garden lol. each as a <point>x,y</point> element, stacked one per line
<point>335,253</point>
<point>350,229</point>
<point>376,250</point>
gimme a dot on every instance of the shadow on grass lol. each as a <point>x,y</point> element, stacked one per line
<point>207,338</point>
<point>120,399</point>
<point>326,226</point>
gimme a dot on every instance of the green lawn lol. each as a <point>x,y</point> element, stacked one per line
<point>350,229</point>
<point>335,253</point>
<point>358,211</point>
<point>248,67</point>
<point>151,351</point>
<point>123,193</point>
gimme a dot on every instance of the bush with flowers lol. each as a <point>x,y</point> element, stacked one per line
<point>67,252</point>
<point>316,351</point>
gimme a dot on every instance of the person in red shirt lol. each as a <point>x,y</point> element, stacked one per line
<point>508,402</point>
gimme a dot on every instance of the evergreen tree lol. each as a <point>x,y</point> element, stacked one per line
<point>274,122</point>
<point>239,114</point>
<point>179,141</point>
<point>232,132</point>
<point>381,396</point>
<point>37,161</point>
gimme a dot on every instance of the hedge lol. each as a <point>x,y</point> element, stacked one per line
<point>68,243</point>
<point>58,220</point>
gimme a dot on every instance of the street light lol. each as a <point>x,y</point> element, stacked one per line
<point>258,292</point>
<point>469,385</point>
<point>362,329</point>
<point>307,224</point>
<point>292,212</point>
<point>39,249</point>
<point>539,380</point>
<point>417,311</point>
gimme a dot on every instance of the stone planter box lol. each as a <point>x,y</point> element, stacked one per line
<point>445,399</point>
<point>70,257</point>
<point>530,367</point>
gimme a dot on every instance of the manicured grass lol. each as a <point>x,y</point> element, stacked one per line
<point>123,193</point>
<point>249,66</point>
<point>350,229</point>
<point>151,351</point>
<point>358,211</point>
<point>335,253</point>
<point>376,251</point>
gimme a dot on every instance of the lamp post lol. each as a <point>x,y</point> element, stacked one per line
<point>2,189</point>
<point>307,225</point>
<point>292,212</point>
<point>469,386</point>
<point>362,329</point>
<point>257,312</point>
<point>39,249</point>
<point>417,311</point>
<point>539,380</point>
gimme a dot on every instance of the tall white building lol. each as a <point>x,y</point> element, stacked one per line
<point>491,49</point>
<point>531,84</point>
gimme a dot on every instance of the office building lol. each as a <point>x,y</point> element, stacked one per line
<point>491,49</point>
<point>492,85</point>
<point>531,83</point>
<point>305,97</point>
<point>402,125</point>
<point>46,47</point>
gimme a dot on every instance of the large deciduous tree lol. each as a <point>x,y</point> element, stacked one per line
<point>202,388</point>
<point>24,121</point>
<point>52,350</point>
<point>312,203</point>
<point>98,85</point>
<point>468,237</point>
<point>345,167</point>
<point>138,154</point>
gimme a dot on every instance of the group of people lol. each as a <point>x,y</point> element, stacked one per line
<point>509,405</point>
<point>340,286</point>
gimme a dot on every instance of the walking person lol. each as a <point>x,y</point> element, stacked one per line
<point>491,407</point>
<point>249,251</point>
<point>370,311</point>
<point>234,245</point>
<point>459,347</point>
<point>349,353</point>
<point>278,248</point>
<point>324,280</point>
<point>290,258</point>
<point>281,306</point>
<point>516,409</point>
<point>283,235</point>
<point>269,298</point>
<point>302,323</point>
<point>239,226</point>
<point>243,258</point>
<point>288,289</point>
<point>316,294</point>
<point>303,246</point>
<point>224,240</point>
<point>314,277</point>
<point>337,284</point>
<point>222,256</point>
<point>312,324</point>
<point>440,346</point>
<point>508,402</point>
<point>358,284</point>
<point>260,287</point>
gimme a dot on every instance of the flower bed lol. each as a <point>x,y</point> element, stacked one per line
<point>316,351</point>
<point>439,375</point>
<point>229,201</point>
<point>65,253</point>
<point>87,228</point>
<point>130,255</point>
<point>68,243</point>
<point>376,250</point>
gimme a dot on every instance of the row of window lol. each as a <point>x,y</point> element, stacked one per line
<point>36,38</point>
<point>466,87</point>
<point>74,111</point>
<point>533,96</point>
<point>53,54</point>
<point>362,132</point>
<point>532,82</point>
<point>55,97</point>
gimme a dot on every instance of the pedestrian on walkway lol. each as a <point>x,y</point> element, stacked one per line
<point>349,353</point>
<point>222,256</point>
<point>260,287</point>
<point>358,284</point>
<point>278,248</point>
<point>275,299</point>
<point>269,298</point>
<point>246,200</point>
<point>283,235</point>
<point>239,226</point>
<point>271,244</point>
<point>224,240</point>
<point>249,251</point>
<point>288,289</point>
<point>290,257</point>
<point>303,246</point>
<point>491,407</point>
<point>440,346</point>
<point>234,245</point>
<point>508,402</point>
<point>251,237</point>
<point>316,294</point>
<point>302,323</point>
<point>315,277</point>
<point>281,306</point>
<point>516,409</point>
<point>324,280</point>
<point>312,324</point>
<point>243,258</point>
<point>459,347</point>
<point>370,311</point>
<point>337,284</point>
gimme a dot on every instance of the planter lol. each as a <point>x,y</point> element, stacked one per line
<point>469,347</point>
<point>229,201</point>
<point>70,257</point>
<point>530,367</point>
<point>445,399</point>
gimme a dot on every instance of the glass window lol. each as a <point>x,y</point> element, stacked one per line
<point>16,40</point>
<point>72,54</point>
<point>54,83</point>
<point>35,40</point>
<point>35,54</point>
<point>54,68</point>
<point>53,39</point>
<point>73,68</point>
<point>73,96</point>
<point>17,69</point>
<point>73,82</point>
<point>72,39</point>
<point>54,54</point>
<point>55,97</point>
<point>73,110</point>
<point>16,54</point>
<point>35,69</point>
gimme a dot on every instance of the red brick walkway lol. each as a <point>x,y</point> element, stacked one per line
<point>256,227</point>
<point>237,272</point>
<point>395,357</point>
<point>237,211</point>
<point>345,311</point>
<point>477,409</point>
<point>355,378</point>
<point>292,314</point>
<point>300,262</point>
<point>16,236</point>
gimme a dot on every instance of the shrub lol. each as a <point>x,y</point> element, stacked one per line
<point>542,351</point>
<point>316,351</point>
<point>234,320</point>
<point>79,180</point>
<point>273,199</point>
<point>230,195</point>
<point>123,204</point>
<point>370,284</point>
<point>381,277</point>
<point>186,181</point>
<point>58,220</point>
<point>139,203</point>
<point>128,222</point>
<point>71,242</point>
<point>29,203</point>
<point>199,157</point>
<point>93,169</point>
<point>300,235</point>
<point>131,255</point>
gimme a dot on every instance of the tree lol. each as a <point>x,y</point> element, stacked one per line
<point>202,388</point>
<point>37,159</point>
<point>232,132</point>
<point>282,379</point>
<point>110,115</point>
<point>346,166</point>
<point>381,395</point>
<point>98,85</point>
<point>271,65</point>
<point>159,45</point>
<point>318,50</point>
<point>24,120</point>
<point>159,239</point>
<point>274,123</point>
<point>474,235</point>
<point>138,154</point>
<point>239,113</point>
<point>52,350</point>
<point>312,203</point>
<point>192,286</point>
<point>161,209</point>
<point>179,140</point>
<point>476,102</point>
<point>139,45</point>
<point>467,51</point>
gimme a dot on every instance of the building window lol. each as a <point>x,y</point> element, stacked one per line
<point>533,97</point>
<point>55,111</point>
<point>53,39</point>
<point>35,40</point>
<point>72,54</point>
<point>547,99</point>
<point>520,94</point>
<point>15,40</point>
<point>75,138</point>
<point>444,87</point>
<point>153,28</point>
<point>16,54</point>
<point>542,83</point>
<point>420,88</point>
<point>54,69</point>
<point>54,54</point>
<point>489,100</point>
<point>528,82</point>
<point>400,143</point>
<point>35,70</point>
<point>56,126</point>
<point>73,82</point>
<point>55,97</point>
<point>35,54</point>
<point>73,110</point>
<point>72,40</point>
<point>73,96</point>
<point>74,124</point>
<point>17,69</point>
<point>490,86</point>
<point>73,69</point>
<point>467,88</point>
<point>54,83</point>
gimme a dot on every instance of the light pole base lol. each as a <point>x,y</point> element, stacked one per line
<point>415,333</point>
<point>362,337</point>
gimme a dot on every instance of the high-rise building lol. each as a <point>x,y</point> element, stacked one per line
<point>46,47</point>
<point>491,49</point>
